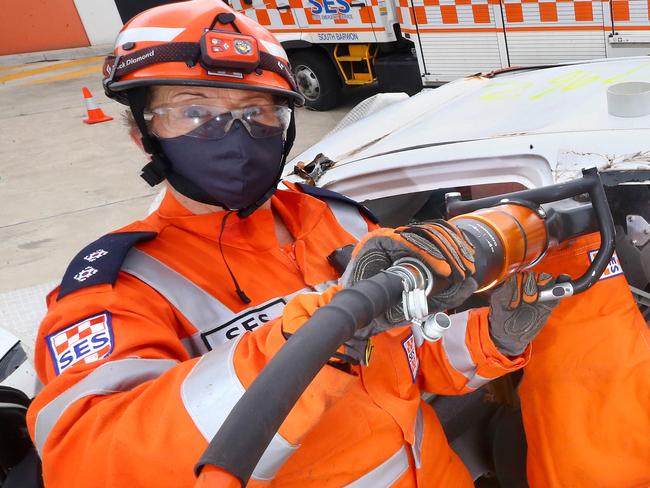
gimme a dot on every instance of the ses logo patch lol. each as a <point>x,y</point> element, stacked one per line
<point>89,340</point>
<point>614,267</point>
<point>411,355</point>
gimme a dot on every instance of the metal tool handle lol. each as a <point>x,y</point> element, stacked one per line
<point>589,183</point>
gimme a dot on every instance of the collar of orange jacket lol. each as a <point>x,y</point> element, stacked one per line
<point>299,212</point>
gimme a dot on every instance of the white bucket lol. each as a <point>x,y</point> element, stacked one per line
<point>630,99</point>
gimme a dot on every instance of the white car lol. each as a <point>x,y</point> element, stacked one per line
<point>490,134</point>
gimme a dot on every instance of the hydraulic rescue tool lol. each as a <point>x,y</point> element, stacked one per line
<point>510,233</point>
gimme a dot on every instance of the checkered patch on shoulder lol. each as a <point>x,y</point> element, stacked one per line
<point>89,340</point>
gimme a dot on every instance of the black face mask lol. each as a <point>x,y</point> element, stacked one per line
<point>233,172</point>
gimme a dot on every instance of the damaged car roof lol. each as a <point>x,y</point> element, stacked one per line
<point>534,126</point>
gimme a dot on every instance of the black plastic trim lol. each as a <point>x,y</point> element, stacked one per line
<point>114,89</point>
<point>296,44</point>
<point>12,360</point>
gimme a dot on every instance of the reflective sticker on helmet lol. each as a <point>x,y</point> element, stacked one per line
<point>88,340</point>
<point>274,49</point>
<point>140,34</point>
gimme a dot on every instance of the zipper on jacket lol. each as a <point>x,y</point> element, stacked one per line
<point>290,258</point>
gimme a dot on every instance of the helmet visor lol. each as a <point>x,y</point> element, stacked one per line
<point>214,122</point>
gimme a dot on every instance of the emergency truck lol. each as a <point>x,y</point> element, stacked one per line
<point>405,44</point>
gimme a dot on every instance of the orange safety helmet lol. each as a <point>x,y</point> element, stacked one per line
<point>200,42</point>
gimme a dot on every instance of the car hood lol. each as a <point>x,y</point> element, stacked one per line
<point>560,103</point>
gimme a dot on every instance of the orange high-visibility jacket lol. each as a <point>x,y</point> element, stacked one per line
<point>141,367</point>
<point>585,395</point>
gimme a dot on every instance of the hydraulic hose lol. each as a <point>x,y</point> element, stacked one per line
<point>237,447</point>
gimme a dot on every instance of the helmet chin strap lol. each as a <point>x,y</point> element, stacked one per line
<point>158,169</point>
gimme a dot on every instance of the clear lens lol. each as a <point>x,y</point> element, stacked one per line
<point>212,122</point>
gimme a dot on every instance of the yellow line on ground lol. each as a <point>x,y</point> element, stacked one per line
<point>46,69</point>
<point>95,69</point>
<point>10,67</point>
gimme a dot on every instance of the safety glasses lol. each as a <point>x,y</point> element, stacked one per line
<point>213,122</point>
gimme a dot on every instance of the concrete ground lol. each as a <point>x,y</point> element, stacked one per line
<point>64,183</point>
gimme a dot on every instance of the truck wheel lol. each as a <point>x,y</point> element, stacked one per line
<point>317,79</point>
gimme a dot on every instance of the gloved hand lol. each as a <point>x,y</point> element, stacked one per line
<point>516,317</point>
<point>438,244</point>
<point>301,307</point>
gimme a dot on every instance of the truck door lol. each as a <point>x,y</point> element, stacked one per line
<point>454,38</point>
<point>337,21</point>
<point>548,31</point>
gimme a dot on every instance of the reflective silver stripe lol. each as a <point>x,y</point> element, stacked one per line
<point>419,434</point>
<point>349,218</point>
<point>276,454</point>
<point>477,381</point>
<point>321,287</point>
<point>194,345</point>
<point>212,319</point>
<point>197,343</point>
<point>197,305</point>
<point>298,292</point>
<point>453,342</point>
<point>386,473</point>
<point>210,392</point>
<point>275,49</point>
<point>90,103</point>
<point>111,377</point>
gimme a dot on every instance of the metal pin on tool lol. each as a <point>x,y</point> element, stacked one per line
<point>435,326</point>
<point>557,291</point>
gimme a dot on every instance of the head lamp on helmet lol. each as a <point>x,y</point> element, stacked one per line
<point>227,50</point>
<point>200,43</point>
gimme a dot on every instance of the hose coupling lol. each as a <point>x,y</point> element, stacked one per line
<point>435,326</point>
<point>418,283</point>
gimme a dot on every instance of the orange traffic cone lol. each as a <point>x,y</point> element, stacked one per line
<point>95,114</point>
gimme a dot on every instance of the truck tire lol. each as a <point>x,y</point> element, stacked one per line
<point>317,79</point>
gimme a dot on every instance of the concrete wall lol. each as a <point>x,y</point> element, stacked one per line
<point>39,25</point>
<point>100,19</point>
<point>44,25</point>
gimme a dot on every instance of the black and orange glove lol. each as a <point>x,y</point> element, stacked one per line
<point>516,316</point>
<point>439,245</point>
